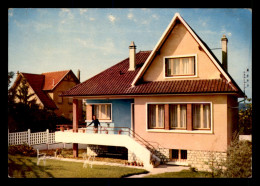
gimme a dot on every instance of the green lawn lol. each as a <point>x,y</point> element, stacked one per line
<point>26,167</point>
<point>181,174</point>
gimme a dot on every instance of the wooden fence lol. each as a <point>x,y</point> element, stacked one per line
<point>18,138</point>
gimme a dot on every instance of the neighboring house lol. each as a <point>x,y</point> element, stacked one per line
<point>178,96</point>
<point>47,87</point>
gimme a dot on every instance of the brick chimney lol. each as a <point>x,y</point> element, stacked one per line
<point>78,75</point>
<point>132,48</point>
<point>224,42</point>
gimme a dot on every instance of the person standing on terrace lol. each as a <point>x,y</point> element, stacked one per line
<point>96,123</point>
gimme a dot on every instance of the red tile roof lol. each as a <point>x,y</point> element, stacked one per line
<point>36,81</point>
<point>52,79</point>
<point>117,80</point>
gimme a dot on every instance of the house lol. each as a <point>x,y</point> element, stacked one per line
<point>178,102</point>
<point>47,87</point>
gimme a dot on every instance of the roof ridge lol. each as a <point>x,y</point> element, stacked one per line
<point>113,66</point>
<point>29,73</point>
<point>56,71</point>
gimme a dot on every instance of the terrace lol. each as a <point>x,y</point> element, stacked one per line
<point>110,136</point>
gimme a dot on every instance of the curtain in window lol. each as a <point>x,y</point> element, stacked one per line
<point>109,111</point>
<point>206,116</point>
<point>156,116</point>
<point>183,116</point>
<point>152,116</point>
<point>186,66</point>
<point>96,111</point>
<point>168,67</point>
<point>201,116</point>
<point>160,116</point>
<point>176,66</point>
<point>103,111</point>
<point>180,66</point>
<point>196,115</point>
<point>173,116</point>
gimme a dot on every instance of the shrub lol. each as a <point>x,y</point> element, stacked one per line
<point>237,164</point>
<point>24,149</point>
<point>239,160</point>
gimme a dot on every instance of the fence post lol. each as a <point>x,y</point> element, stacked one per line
<point>47,138</point>
<point>29,140</point>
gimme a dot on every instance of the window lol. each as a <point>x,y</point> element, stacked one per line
<point>156,116</point>
<point>179,155</point>
<point>70,101</point>
<point>178,116</point>
<point>175,154</point>
<point>182,66</point>
<point>102,111</point>
<point>201,116</point>
<point>70,115</point>
<point>60,99</point>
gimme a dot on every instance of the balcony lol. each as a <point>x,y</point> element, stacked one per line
<point>116,136</point>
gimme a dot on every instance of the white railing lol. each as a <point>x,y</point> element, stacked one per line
<point>18,138</point>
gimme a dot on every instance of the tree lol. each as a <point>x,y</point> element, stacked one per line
<point>23,93</point>
<point>10,76</point>
<point>11,93</point>
<point>245,119</point>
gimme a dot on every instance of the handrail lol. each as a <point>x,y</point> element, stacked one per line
<point>143,141</point>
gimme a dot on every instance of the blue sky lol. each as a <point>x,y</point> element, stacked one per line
<point>45,40</point>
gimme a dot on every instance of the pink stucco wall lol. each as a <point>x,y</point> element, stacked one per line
<point>215,141</point>
<point>180,43</point>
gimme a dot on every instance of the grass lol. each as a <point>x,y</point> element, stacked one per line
<point>68,153</point>
<point>182,174</point>
<point>26,167</point>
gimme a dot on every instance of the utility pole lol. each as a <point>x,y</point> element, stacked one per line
<point>246,82</point>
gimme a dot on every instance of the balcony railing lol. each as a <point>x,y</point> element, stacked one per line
<point>99,130</point>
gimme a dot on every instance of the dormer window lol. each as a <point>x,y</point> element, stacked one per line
<point>180,66</point>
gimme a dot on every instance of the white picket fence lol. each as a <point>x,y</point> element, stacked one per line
<point>18,138</point>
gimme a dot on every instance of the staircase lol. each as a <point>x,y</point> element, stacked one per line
<point>156,150</point>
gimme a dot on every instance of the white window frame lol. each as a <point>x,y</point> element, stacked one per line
<point>176,130</point>
<point>102,120</point>
<point>181,76</point>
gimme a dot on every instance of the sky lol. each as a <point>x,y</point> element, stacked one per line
<point>93,39</point>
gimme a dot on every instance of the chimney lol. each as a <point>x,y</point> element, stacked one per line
<point>224,41</point>
<point>78,76</point>
<point>132,48</point>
